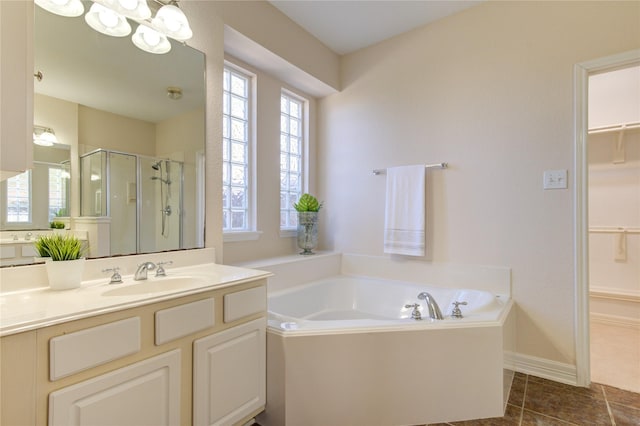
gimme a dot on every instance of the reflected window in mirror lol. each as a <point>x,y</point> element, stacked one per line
<point>18,199</point>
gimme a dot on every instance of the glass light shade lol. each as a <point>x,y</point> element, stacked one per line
<point>106,21</point>
<point>170,20</point>
<point>69,8</point>
<point>150,40</point>
<point>134,9</point>
<point>45,138</point>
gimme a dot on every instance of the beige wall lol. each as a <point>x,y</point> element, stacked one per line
<point>490,91</point>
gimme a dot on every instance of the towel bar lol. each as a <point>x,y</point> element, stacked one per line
<point>427,166</point>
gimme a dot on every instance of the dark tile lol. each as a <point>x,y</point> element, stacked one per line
<point>625,415</point>
<point>511,418</point>
<point>584,406</point>
<point>529,418</point>
<point>620,396</point>
<point>594,390</point>
<point>516,395</point>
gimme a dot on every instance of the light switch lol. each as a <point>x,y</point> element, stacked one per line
<point>555,179</point>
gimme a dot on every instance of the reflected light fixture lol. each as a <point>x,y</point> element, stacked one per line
<point>110,17</point>
<point>69,8</point>
<point>174,93</point>
<point>44,136</point>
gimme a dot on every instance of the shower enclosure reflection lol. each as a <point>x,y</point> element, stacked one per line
<point>140,200</point>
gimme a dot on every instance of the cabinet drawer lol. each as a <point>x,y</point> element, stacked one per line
<point>74,352</point>
<point>183,320</point>
<point>244,303</point>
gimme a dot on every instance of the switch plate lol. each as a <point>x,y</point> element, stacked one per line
<point>555,179</point>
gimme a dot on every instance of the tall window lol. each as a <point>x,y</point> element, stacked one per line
<point>57,192</point>
<point>18,198</point>
<point>291,158</point>
<point>235,153</point>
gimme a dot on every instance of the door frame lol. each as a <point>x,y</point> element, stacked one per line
<point>581,207</point>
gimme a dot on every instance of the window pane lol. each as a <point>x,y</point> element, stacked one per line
<point>291,161</point>
<point>238,85</point>
<point>238,107</point>
<point>238,152</point>
<point>238,174</point>
<point>237,198</point>
<point>238,128</point>
<point>237,220</point>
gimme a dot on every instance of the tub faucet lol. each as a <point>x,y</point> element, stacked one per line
<point>143,268</point>
<point>434,309</point>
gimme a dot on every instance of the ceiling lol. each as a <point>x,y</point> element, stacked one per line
<point>348,25</point>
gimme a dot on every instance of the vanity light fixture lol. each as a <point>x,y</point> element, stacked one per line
<point>171,21</point>
<point>44,136</point>
<point>69,8</point>
<point>150,40</point>
<point>107,21</point>
<point>134,9</point>
<point>110,17</point>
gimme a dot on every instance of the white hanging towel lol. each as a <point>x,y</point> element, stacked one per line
<point>404,230</point>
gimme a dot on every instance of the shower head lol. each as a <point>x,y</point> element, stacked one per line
<point>156,165</point>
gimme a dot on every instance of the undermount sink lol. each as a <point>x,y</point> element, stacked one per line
<point>154,286</point>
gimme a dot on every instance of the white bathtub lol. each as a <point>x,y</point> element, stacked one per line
<point>351,304</point>
<point>344,351</point>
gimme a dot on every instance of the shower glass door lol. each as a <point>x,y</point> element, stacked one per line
<point>122,202</point>
<point>161,205</point>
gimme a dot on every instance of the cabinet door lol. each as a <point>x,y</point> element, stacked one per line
<point>229,374</point>
<point>16,87</point>
<point>144,393</point>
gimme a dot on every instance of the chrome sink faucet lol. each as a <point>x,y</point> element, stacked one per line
<point>143,268</point>
<point>434,309</point>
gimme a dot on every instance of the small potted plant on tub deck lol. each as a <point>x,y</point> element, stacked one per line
<point>307,208</point>
<point>63,259</point>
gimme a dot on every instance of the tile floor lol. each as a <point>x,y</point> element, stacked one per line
<point>541,402</point>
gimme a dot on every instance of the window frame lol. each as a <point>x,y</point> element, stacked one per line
<point>250,232</point>
<point>304,153</point>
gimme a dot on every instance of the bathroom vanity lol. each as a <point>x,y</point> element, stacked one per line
<point>184,349</point>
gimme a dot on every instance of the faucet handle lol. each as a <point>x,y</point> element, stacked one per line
<point>116,277</point>
<point>160,272</point>
<point>456,312</point>
<point>415,314</point>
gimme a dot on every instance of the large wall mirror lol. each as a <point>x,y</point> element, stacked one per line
<point>131,135</point>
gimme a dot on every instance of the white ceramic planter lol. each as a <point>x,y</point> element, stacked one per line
<point>65,274</point>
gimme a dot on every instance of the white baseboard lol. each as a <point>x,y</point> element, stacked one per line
<point>615,320</point>
<point>541,367</point>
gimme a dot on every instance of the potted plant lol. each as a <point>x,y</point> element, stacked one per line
<point>56,224</point>
<point>307,208</point>
<point>63,259</point>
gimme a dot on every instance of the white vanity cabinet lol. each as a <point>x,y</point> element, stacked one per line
<point>16,87</point>
<point>175,362</point>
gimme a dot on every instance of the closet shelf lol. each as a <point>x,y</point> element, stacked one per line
<point>614,230</point>
<point>614,128</point>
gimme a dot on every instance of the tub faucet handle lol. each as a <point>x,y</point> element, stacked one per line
<point>456,312</point>
<point>415,314</point>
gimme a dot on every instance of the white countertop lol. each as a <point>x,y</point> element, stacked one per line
<point>40,307</point>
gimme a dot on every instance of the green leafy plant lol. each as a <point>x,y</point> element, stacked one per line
<point>56,225</point>
<point>307,203</point>
<point>59,247</point>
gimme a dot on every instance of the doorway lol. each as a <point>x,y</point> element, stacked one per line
<point>605,228</point>
<point>613,153</point>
